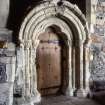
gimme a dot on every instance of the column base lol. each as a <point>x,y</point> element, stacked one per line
<point>81,93</point>
<point>35,99</point>
<point>31,100</point>
<point>69,92</point>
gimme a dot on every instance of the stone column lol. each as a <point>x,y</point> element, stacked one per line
<point>27,73</point>
<point>4,12</point>
<point>31,68</point>
<point>19,84</point>
<point>86,68</point>
<point>23,68</point>
<point>69,91</point>
<point>35,95</point>
<point>80,90</point>
<point>73,64</point>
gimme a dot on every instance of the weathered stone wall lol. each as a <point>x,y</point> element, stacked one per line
<point>19,8</point>
<point>7,67</point>
<point>97,65</point>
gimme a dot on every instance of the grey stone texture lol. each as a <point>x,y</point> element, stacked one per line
<point>18,65</point>
<point>4,12</point>
<point>97,65</point>
<point>7,67</point>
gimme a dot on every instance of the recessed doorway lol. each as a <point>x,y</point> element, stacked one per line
<point>52,64</point>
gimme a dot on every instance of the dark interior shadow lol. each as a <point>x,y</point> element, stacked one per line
<point>18,11</point>
<point>20,8</point>
<point>99,97</point>
<point>98,92</point>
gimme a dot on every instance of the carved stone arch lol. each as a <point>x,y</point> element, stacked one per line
<point>73,24</point>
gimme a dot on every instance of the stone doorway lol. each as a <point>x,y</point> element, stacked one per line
<point>52,67</point>
<point>71,23</point>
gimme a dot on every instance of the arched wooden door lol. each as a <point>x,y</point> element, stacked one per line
<point>50,64</point>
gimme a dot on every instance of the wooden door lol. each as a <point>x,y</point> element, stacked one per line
<point>49,64</point>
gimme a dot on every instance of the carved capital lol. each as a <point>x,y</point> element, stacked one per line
<point>28,44</point>
<point>35,43</point>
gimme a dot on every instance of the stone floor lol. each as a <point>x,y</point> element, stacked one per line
<point>63,100</point>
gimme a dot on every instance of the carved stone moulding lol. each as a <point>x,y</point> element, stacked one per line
<point>73,24</point>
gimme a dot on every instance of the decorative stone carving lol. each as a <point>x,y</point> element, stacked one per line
<point>46,15</point>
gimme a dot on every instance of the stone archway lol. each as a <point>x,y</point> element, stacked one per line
<point>52,62</point>
<point>73,24</point>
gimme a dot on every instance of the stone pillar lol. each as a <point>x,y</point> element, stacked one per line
<point>69,91</point>
<point>80,90</point>
<point>27,73</point>
<point>74,69</point>
<point>35,95</point>
<point>4,12</point>
<point>86,69</point>
<point>90,13</point>
<point>19,85</point>
<point>23,67</point>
